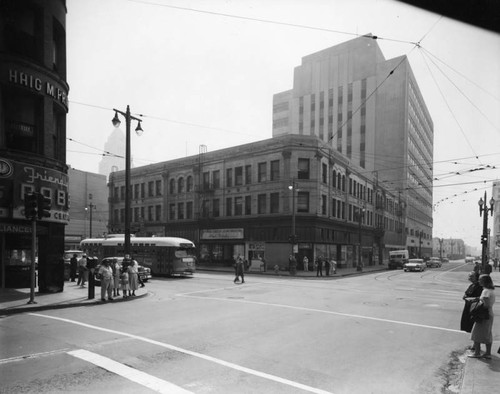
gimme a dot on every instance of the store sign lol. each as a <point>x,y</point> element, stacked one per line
<point>28,178</point>
<point>39,84</point>
<point>222,233</point>
<point>14,228</point>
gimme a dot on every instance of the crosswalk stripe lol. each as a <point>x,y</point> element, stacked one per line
<point>142,378</point>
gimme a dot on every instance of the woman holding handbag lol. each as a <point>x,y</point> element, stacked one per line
<point>481,332</point>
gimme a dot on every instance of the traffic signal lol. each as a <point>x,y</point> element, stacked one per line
<point>44,205</point>
<point>484,239</point>
<point>30,206</point>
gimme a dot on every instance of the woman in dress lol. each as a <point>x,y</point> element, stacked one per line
<point>481,332</point>
<point>116,278</point>
<point>124,281</point>
<point>133,271</point>
<point>473,291</point>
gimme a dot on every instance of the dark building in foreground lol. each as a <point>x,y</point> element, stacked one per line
<point>33,107</point>
<point>241,200</point>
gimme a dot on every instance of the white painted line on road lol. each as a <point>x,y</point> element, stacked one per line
<point>32,355</point>
<point>325,312</point>
<point>144,379</point>
<point>191,353</point>
<point>235,286</point>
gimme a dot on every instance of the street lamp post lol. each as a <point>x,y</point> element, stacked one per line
<point>116,122</point>
<point>361,214</point>
<point>483,210</point>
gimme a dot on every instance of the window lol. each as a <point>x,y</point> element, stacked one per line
<point>229,177</point>
<point>238,206</point>
<point>171,212</point>
<point>302,201</point>
<point>122,215</point>
<point>238,176</point>
<point>216,179</point>
<point>180,210</point>
<point>275,170</point>
<point>261,204</point>
<point>248,205</point>
<point>180,185</point>
<point>136,214</point>
<point>275,202</point>
<point>206,180</point>
<point>151,189</point>
<point>189,184</point>
<point>216,207</point>
<point>151,213</point>
<point>262,172</point>
<point>189,210</point>
<point>143,190</point>
<point>323,205</point>
<point>248,175</point>
<point>116,215</point>
<point>116,192</point>
<point>334,179</point>
<point>229,206</point>
<point>303,169</point>
<point>205,213</point>
<point>136,191</point>
<point>171,189</point>
<point>122,192</point>
<point>158,188</point>
<point>324,173</point>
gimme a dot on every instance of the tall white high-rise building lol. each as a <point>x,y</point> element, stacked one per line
<point>371,110</point>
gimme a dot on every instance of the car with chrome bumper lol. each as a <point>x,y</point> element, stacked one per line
<point>415,265</point>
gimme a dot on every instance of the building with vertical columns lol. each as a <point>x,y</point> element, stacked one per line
<point>370,110</point>
<point>33,108</point>
<point>238,201</point>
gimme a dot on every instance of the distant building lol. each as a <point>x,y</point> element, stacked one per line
<point>451,248</point>
<point>239,201</point>
<point>89,209</point>
<point>494,224</point>
<point>114,156</point>
<point>370,110</point>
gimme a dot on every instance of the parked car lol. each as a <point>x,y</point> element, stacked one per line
<point>68,254</point>
<point>445,260</point>
<point>144,272</point>
<point>434,262</point>
<point>414,265</point>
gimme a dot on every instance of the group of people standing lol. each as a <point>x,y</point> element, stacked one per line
<point>114,276</point>
<point>479,294</point>
<point>330,266</point>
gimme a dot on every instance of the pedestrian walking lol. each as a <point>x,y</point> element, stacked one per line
<point>133,277</point>
<point>116,278</point>
<point>82,271</point>
<point>319,266</point>
<point>305,262</point>
<point>239,270</point>
<point>105,273</point>
<point>327,267</point>
<point>333,265</point>
<point>473,291</point>
<point>292,263</point>
<point>482,329</point>
<point>73,267</point>
<point>124,282</point>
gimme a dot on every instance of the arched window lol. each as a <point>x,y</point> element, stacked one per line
<point>334,179</point>
<point>189,184</point>
<point>172,186</point>
<point>180,185</point>
<point>343,183</point>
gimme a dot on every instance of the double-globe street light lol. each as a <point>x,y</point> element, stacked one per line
<point>116,123</point>
<point>483,210</point>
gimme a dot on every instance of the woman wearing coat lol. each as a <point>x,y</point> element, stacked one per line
<point>474,290</point>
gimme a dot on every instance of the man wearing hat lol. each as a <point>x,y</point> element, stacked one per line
<point>82,270</point>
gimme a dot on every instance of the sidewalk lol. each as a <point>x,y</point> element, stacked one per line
<point>479,375</point>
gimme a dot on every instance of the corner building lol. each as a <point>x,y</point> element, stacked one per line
<point>239,201</point>
<point>370,110</point>
<point>33,108</point>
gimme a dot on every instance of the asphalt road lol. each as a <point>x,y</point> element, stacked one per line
<point>384,332</point>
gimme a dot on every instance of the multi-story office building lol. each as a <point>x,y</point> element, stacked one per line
<point>33,107</point>
<point>89,207</point>
<point>370,110</point>
<point>247,200</point>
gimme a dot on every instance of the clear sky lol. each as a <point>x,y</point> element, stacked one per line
<point>203,72</point>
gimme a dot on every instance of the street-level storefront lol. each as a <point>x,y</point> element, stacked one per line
<point>218,247</point>
<point>16,236</point>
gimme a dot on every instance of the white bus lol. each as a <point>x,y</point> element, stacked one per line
<point>163,255</point>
